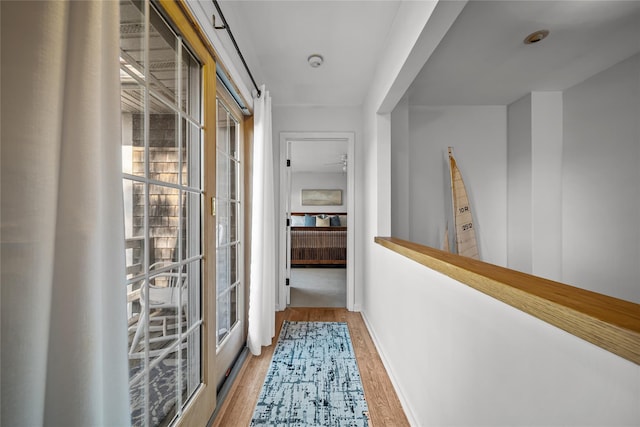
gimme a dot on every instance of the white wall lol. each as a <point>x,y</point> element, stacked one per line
<point>601,182</point>
<point>456,356</point>
<point>316,119</point>
<point>546,194</point>
<point>519,228</point>
<point>313,119</point>
<point>534,172</point>
<point>574,183</point>
<point>461,358</point>
<point>314,181</point>
<point>479,139</point>
<point>400,173</point>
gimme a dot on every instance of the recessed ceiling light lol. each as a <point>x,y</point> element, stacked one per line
<point>536,36</point>
<point>315,60</point>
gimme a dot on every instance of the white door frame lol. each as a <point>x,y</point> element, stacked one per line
<point>285,139</point>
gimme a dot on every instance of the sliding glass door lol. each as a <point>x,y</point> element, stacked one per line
<point>164,110</point>
<point>229,237</point>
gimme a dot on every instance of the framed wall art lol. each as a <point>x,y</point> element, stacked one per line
<point>321,197</point>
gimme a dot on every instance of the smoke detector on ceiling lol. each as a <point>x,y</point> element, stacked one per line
<point>315,60</point>
<point>536,36</point>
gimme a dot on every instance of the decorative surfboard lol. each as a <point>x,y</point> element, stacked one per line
<point>445,241</point>
<point>465,234</point>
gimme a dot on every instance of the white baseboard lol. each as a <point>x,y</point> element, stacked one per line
<point>403,401</point>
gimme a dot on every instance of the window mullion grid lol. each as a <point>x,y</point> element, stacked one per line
<point>240,219</point>
<point>229,289</point>
<point>172,106</point>
<point>135,77</point>
<point>166,351</point>
<point>162,183</point>
<point>167,268</point>
<point>148,76</point>
<point>145,284</point>
<point>222,151</point>
<point>181,218</point>
<point>228,245</point>
<point>236,178</point>
<point>192,120</point>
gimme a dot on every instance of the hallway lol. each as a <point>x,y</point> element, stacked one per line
<point>384,406</point>
<point>318,287</point>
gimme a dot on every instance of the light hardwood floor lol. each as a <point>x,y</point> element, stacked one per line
<point>384,406</point>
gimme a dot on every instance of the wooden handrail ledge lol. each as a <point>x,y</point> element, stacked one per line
<point>607,322</point>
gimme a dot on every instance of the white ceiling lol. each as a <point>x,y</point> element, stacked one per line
<point>277,37</point>
<point>483,61</point>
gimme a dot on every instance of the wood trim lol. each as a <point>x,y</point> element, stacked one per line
<point>607,322</point>
<point>247,145</point>
<point>201,406</point>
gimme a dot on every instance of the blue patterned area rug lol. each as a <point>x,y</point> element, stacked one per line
<point>313,379</point>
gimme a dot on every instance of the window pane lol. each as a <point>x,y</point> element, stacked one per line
<point>162,58</point>
<point>191,147</point>
<point>222,137</point>
<point>190,89</point>
<point>132,37</point>
<point>132,102</point>
<point>233,222</point>
<point>163,144</point>
<point>164,404</point>
<point>192,371</point>
<point>137,395</point>
<point>193,305</point>
<point>223,317</point>
<point>223,176</point>
<point>137,327</point>
<point>165,290</point>
<point>162,393</point>
<point>233,138</point>
<point>222,270</point>
<point>192,212</point>
<point>227,313</point>
<point>133,193</point>
<point>164,225</point>
<point>222,218</point>
<point>233,264</point>
<point>233,317</point>
<point>233,180</point>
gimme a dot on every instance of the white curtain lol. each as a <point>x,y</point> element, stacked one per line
<point>262,289</point>
<point>64,355</point>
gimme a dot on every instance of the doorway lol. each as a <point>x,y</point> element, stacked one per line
<point>317,233</point>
